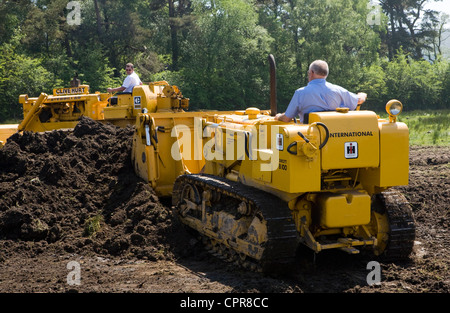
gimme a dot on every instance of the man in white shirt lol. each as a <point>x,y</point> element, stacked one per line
<point>130,81</point>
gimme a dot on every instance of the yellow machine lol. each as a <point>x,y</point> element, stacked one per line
<point>64,108</point>
<point>6,131</point>
<point>254,188</point>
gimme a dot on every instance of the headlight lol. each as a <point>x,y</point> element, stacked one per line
<point>394,108</point>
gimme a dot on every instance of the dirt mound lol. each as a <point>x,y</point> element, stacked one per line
<point>76,191</point>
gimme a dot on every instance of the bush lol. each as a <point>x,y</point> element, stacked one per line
<point>373,82</point>
<point>20,74</point>
<point>418,84</point>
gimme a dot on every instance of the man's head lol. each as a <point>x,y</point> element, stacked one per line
<point>129,68</point>
<point>318,69</point>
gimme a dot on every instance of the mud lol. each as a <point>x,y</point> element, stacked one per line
<point>73,196</point>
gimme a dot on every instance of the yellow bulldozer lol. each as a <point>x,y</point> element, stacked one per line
<point>63,108</point>
<point>254,188</point>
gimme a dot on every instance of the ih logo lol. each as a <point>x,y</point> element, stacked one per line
<point>351,150</point>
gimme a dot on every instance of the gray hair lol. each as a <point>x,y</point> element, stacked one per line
<point>319,67</point>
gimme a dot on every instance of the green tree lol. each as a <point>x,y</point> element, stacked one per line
<point>13,14</point>
<point>446,89</point>
<point>419,84</point>
<point>411,27</point>
<point>275,17</point>
<point>335,31</point>
<point>225,56</point>
<point>95,71</point>
<point>20,74</point>
<point>216,51</point>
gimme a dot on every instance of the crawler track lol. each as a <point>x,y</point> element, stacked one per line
<point>280,241</point>
<point>402,230</point>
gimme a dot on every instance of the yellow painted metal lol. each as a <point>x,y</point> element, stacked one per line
<point>352,130</point>
<point>301,172</point>
<point>244,146</point>
<point>252,112</point>
<point>301,208</point>
<point>394,158</point>
<point>64,108</point>
<point>174,147</point>
<point>149,97</point>
<point>61,111</point>
<point>344,209</point>
<point>278,171</point>
<point>35,108</point>
<point>327,198</point>
<point>6,131</point>
<point>130,104</point>
<point>379,226</point>
<point>394,153</point>
<point>82,89</point>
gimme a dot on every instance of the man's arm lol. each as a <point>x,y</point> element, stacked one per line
<point>282,117</point>
<point>118,89</point>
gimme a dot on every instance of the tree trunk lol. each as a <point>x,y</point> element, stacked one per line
<point>173,35</point>
<point>99,21</point>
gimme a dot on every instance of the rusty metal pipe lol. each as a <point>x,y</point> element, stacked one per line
<point>273,86</point>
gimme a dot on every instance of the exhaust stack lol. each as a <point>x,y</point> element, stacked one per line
<point>273,86</point>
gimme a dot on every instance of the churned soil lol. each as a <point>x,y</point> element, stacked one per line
<point>71,196</point>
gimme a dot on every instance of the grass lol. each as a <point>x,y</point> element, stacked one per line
<point>92,225</point>
<point>426,127</point>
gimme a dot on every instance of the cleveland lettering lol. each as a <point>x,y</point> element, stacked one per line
<point>69,91</point>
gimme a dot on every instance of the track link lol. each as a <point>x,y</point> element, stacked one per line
<point>402,230</point>
<point>280,246</point>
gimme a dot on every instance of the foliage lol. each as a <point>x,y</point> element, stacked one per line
<point>412,28</point>
<point>224,56</point>
<point>418,84</point>
<point>216,51</point>
<point>335,31</point>
<point>20,74</point>
<point>94,69</point>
